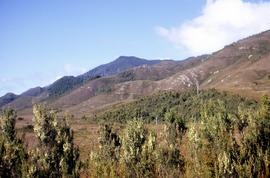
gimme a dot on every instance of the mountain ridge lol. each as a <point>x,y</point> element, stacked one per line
<point>68,83</point>
<point>120,64</point>
<point>7,98</point>
<point>242,67</point>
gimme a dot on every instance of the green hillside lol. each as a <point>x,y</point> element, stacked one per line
<point>185,104</point>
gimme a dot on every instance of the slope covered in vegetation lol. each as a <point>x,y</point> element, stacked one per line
<point>66,84</point>
<point>227,137</point>
<point>209,134</point>
<point>185,104</point>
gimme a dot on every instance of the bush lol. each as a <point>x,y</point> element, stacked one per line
<point>56,155</point>
<point>135,145</point>
<point>12,152</point>
<point>220,139</point>
<point>132,156</point>
<point>104,162</point>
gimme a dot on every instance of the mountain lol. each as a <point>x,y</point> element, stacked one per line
<point>121,64</point>
<point>33,92</point>
<point>27,98</point>
<point>63,85</point>
<point>69,83</point>
<point>7,98</point>
<point>125,86</point>
<point>242,67</point>
<point>250,73</point>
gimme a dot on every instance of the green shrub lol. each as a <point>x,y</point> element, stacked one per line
<point>185,104</point>
<point>105,161</point>
<point>138,153</point>
<point>12,152</point>
<point>56,155</point>
<point>255,144</point>
<point>221,136</point>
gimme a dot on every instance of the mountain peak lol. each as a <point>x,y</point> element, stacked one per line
<point>128,58</point>
<point>120,64</point>
<point>10,94</point>
<point>33,91</point>
<point>7,98</point>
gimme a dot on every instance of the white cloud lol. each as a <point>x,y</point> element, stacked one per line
<point>221,22</point>
<point>70,69</point>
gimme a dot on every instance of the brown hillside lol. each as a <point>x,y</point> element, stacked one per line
<point>242,67</point>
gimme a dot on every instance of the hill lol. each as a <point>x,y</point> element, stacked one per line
<point>184,104</point>
<point>68,83</point>
<point>121,64</point>
<point>7,98</point>
<point>242,68</point>
<point>126,86</point>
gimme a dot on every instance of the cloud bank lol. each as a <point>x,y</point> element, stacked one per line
<point>220,23</point>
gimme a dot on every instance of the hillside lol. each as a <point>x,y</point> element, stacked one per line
<point>185,104</point>
<point>121,64</point>
<point>126,86</point>
<point>69,83</point>
<point>7,98</point>
<point>210,122</point>
<point>250,73</point>
<point>242,67</point>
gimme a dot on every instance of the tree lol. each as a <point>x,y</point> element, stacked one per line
<point>212,146</point>
<point>170,158</point>
<point>105,161</point>
<point>56,155</point>
<point>12,152</point>
<point>254,159</point>
<point>138,153</point>
<point>8,120</point>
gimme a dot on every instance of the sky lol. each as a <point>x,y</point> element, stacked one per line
<point>43,40</point>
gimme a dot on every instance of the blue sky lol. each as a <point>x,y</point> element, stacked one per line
<point>42,40</point>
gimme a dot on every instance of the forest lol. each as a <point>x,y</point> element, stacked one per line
<point>205,134</point>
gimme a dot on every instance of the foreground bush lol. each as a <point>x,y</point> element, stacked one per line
<point>12,152</point>
<point>220,145</point>
<point>55,155</point>
<point>135,153</point>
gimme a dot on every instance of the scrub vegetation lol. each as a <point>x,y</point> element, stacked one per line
<point>209,134</point>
